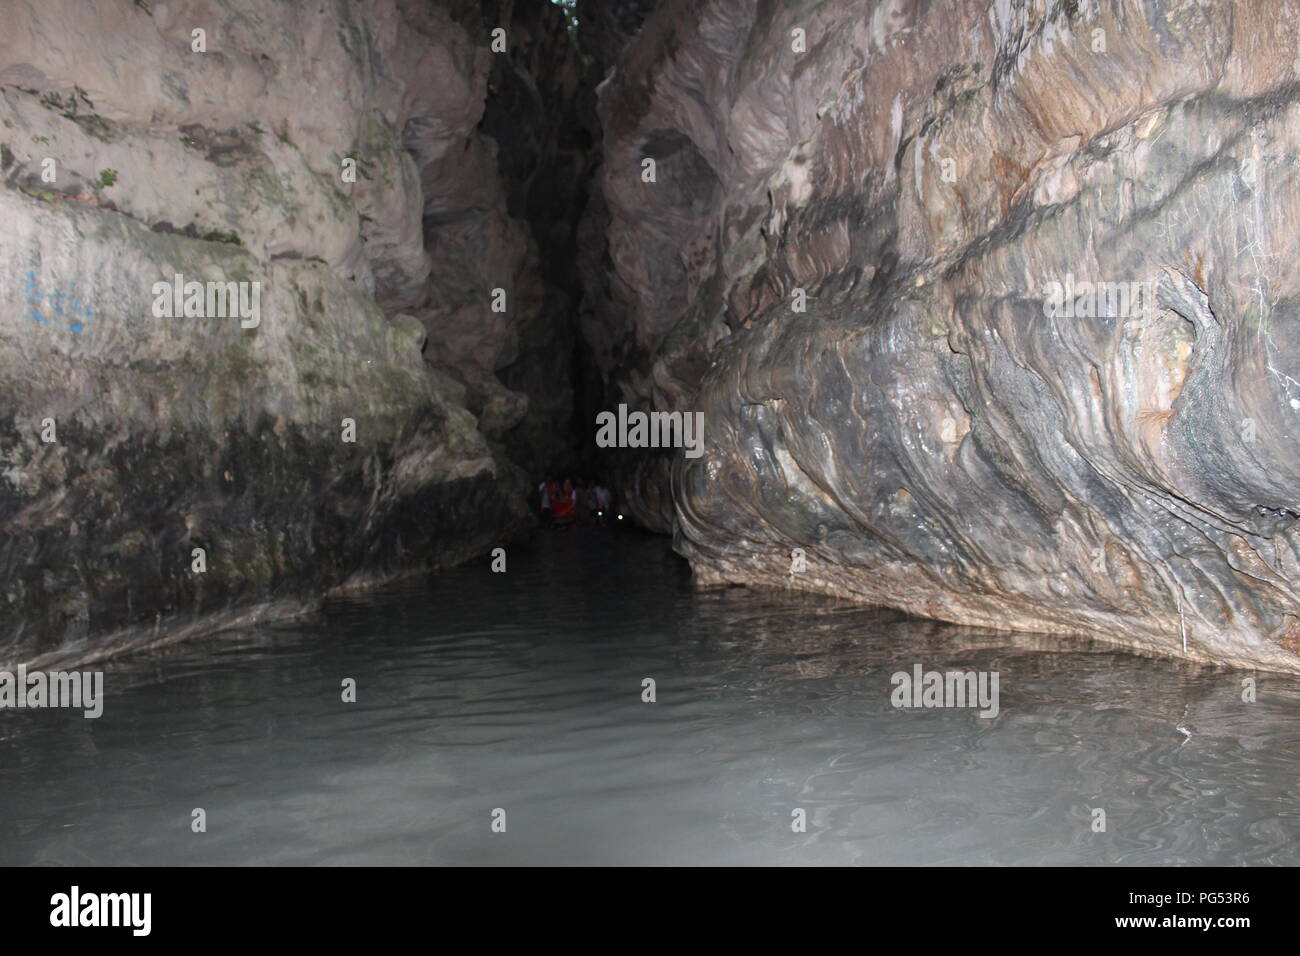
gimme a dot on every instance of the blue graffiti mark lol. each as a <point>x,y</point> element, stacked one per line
<point>66,305</point>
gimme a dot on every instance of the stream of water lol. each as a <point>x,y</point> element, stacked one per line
<point>523,692</point>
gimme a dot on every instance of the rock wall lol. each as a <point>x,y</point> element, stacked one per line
<point>846,261</point>
<point>128,439</point>
<point>541,115</point>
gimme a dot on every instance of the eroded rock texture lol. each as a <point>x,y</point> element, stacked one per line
<point>181,433</point>
<point>924,431</point>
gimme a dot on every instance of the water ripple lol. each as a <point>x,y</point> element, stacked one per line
<point>523,691</point>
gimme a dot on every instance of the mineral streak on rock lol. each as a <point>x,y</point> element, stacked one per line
<point>925,431</point>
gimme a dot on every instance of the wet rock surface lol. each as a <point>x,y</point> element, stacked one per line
<point>356,429</point>
<point>924,434</point>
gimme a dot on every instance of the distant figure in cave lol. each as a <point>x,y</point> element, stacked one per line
<point>544,491</point>
<point>582,510</point>
<point>562,505</point>
<point>601,502</point>
<point>595,510</point>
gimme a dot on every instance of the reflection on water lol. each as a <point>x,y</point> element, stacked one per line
<point>522,691</point>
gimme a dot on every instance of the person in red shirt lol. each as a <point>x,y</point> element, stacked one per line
<point>563,502</point>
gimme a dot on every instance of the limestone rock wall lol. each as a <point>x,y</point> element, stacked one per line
<point>923,431</point>
<point>176,433</point>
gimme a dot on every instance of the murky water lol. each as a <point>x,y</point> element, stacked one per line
<point>523,691</point>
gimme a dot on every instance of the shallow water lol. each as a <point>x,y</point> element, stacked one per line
<point>523,691</point>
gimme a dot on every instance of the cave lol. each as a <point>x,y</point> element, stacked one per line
<point>854,432</point>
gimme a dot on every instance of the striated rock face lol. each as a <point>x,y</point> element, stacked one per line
<point>929,430</point>
<point>129,439</point>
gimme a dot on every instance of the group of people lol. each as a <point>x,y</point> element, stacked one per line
<point>570,503</point>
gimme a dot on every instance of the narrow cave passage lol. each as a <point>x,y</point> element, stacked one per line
<point>439,432</point>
